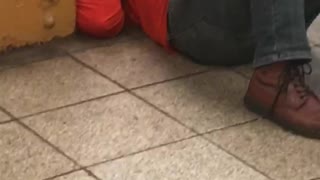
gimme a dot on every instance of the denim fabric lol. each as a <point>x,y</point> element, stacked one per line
<point>232,32</point>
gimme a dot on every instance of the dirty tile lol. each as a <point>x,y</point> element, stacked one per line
<point>187,160</point>
<point>204,102</point>
<point>26,55</point>
<point>106,128</point>
<point>138,62</point>
<point>3,117</point>
<point>270,149</point>
<point>79,175</point>
<point>23,156</point>
<point>245,70</point>
<point>79,42</point>
<point>44,85</point>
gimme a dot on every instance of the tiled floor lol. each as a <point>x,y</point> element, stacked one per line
<point>123,109</point>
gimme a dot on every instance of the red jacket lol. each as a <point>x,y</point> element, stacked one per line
<point>105,18</point>
<point>151,15</point>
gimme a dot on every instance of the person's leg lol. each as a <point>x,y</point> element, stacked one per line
<point>279,29</point>
<point>100,18</point>
<point>209,32</point>
<point>212,32</point>
<point>278,89</point>
<point>219,32</point>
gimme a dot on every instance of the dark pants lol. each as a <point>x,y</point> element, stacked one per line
<point>232,32</point>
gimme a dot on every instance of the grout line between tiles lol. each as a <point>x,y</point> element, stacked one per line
<point>62,107</point>
<point>2,110</point>
<point>7,113</point>
<point>236,157</point>
<point>145,150</point>
<point>139,87</point>
<point>7,122</point>
<point>232,126</point>
<point>49,143</point>
<point>315,178</point>
<point>171,79</point>
<point>73,104</point>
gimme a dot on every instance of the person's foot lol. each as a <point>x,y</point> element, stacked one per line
<point>279,93</point>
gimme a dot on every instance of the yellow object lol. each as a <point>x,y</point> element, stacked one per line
<point>24,22</point>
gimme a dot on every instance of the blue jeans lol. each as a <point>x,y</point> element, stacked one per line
<point>233,32</point>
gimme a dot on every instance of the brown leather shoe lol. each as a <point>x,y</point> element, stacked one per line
<point>279,93</point>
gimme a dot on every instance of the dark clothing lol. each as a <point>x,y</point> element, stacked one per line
<point>232,32</point>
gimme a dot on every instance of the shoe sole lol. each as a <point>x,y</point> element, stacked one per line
<point>265,113</point>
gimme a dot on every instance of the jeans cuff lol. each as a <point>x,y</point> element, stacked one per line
<point>280,57</point>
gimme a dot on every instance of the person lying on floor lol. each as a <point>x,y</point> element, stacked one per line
<point>271,34</point>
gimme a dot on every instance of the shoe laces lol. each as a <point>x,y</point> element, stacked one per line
<point>295,73</point>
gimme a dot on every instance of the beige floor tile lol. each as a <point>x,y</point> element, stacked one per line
<point>44,85</point>
<point>3,117</point>
<point>188,160</point>
<point>24,157</point>
<point>205,102</point>
<point>79,175</point>
<point>107,128</point>
<point>278,153</point>
<point>138,62</point>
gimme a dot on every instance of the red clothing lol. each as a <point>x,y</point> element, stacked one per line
<point>151,15</point>
<point>105,18</point>
<point>100,18</point>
